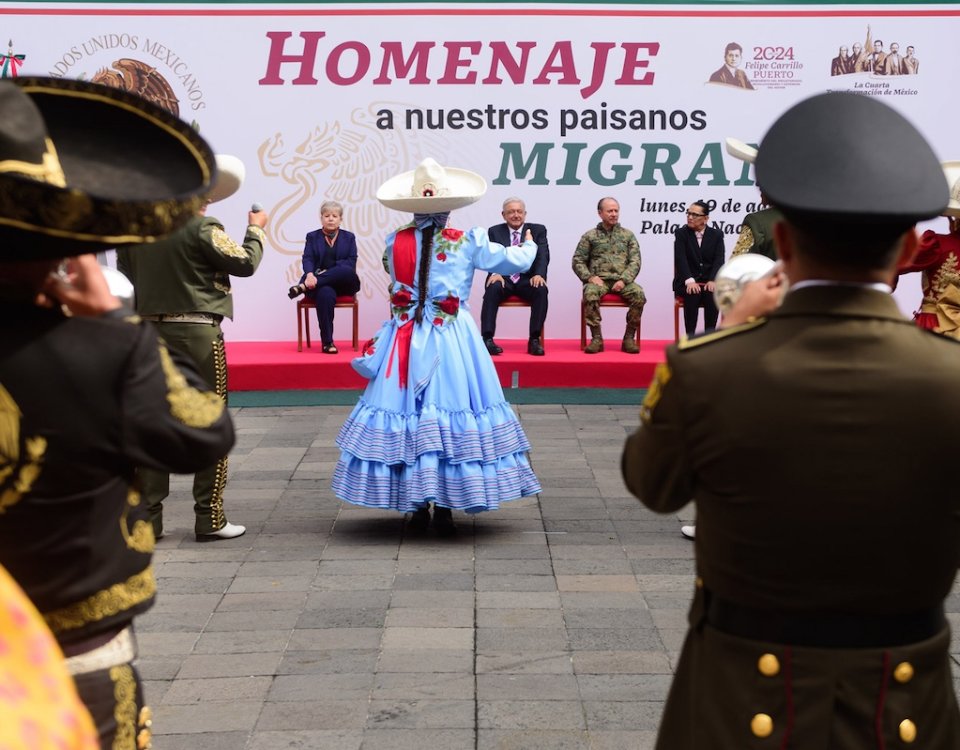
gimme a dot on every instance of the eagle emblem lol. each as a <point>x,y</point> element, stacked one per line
<point>139,78</point>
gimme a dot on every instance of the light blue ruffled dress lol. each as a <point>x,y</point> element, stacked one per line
<point>433,424</point>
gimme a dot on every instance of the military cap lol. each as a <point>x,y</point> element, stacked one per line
<point>845,157</point>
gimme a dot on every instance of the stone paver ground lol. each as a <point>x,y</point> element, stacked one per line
<point>552,624</point>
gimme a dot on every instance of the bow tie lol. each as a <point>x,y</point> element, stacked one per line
<point>425,221</point>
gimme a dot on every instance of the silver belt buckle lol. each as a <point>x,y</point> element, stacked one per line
<point>198,317</point>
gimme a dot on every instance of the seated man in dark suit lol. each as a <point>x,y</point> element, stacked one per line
<point>329,268</point>
<point>697,256</point>
<point>530,285</point>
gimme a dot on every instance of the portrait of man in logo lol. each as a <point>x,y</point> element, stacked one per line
<point>729,74</point>
<point>870,57</point>
<point>911,65</point>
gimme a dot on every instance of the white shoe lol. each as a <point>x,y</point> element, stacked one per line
<point>689,532</point>
<point>228,531</point>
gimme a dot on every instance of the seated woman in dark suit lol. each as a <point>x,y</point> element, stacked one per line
<point>697,256</point>
<point>329,268</point>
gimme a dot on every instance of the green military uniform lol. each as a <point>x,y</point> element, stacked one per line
<point>613,255</point>
<point>183,284</point>
<point>756,234</point>
<point>828,525</point>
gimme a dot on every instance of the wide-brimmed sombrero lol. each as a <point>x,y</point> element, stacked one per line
<point>741,150</point>
<point>85,167</point>
<point>431,188</point>
<point>230,176</point>
<point>951,170</point>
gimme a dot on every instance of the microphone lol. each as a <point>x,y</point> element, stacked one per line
<point>256,208</point>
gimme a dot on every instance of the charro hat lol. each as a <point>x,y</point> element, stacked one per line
<point>431,188</point>
<point>843,157</point>
<point>85,167</point>
<point>230,175</point>
<point>743,151</point>
<point>951,170</point>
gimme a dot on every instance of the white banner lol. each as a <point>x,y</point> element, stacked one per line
<point>556,103</point>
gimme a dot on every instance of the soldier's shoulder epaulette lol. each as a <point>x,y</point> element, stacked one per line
<point>720,334</point>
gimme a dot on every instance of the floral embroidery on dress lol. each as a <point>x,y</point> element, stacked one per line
<point>946,276</point>
<point>448,307</point>
<point>401,301</point>
<point>449,241</point>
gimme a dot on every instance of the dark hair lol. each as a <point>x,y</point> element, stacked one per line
<point>732,46</point>
<point>426,256</point>
<point>848,243</point>
<point>704,205</point>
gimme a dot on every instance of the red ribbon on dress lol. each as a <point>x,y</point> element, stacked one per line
<point>404,268</point>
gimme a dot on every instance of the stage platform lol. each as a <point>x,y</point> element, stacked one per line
<point>278,366</point>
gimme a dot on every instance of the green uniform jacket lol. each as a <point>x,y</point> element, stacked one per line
<point>817,445</point>
<point>612,255</point>
<point>761,226</point>
<point>190,270</point>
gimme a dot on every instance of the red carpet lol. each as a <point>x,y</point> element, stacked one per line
<point>278,366</point>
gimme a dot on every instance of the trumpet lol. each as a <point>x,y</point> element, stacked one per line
<point>119,286</point>
<point>737,273</point>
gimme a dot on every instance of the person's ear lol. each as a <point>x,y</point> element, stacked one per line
<point>783,238</point>
<point>908,247</point>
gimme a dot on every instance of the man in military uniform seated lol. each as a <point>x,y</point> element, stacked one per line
<point>87,391</point>
<point>607,261</point>
<point>828,534</point>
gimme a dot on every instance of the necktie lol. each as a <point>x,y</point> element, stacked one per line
<point>515,277</point>
<point>699,238</point>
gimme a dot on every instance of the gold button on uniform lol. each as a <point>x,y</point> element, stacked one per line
<point>762,725</point>
<point>769,665</point>
<point>908,730</point>
<point>698,582</point>
<point>903,672</point>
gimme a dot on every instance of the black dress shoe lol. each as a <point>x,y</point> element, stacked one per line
<point>492,346</point>
<point>420,520</point>
<point>443,521</point>
<point>535,348</point>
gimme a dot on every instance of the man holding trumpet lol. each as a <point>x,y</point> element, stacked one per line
<point>827,539</point>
